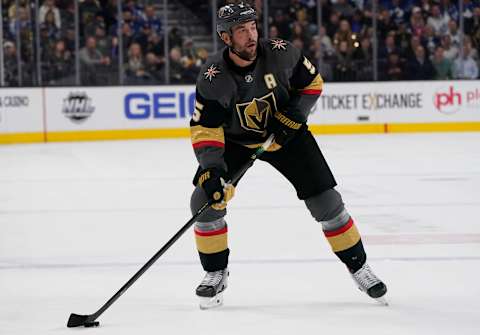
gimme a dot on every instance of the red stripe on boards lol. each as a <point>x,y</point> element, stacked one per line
<point>340,230</point>
<point>208,144</point>
<point>211,233</point>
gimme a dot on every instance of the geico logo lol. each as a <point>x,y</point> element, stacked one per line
<point>167,105</point>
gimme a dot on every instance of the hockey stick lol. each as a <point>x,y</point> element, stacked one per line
<point>76,320</point>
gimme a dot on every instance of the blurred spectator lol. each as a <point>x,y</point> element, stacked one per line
<point>280,21</point>
<point>417,23</point>
<point>410,52</point>
<point>343,70</point>
<point>394,68</point>
<point>472,27</point>
<point>135,67</point>
<point>449,51</point>
<point>293,7</point>
<point>473,52</point>
<point>24,23</point>
<point>49,25</point>
<point>175,38</point>
<point>363,60</point>
<point>48,6</point>
<point>273,32</point>
<point>344,8</point>
<point>202,56</point>
<point>152,19</point>
<point>155,45</point>
<point>442,65</point>
<point>344,33</point>
<point>429,40</point>
<point>397,12</point>
<point>385,23</point>
<point>10,63</point>
<point>104,43</point>
<point>88,9</point>
<point>465,67</point>
<point>450,7</point>
<point>176,68</point>
<point>189,51</point>
<point>468,8</point>
<point>94,63</point>
<point>326,43</point>
<point>389,47</point>
<point>420,67</point>
<point>59,64</point>
<point>333,23</point>
<point>298,32</point>
<point>154,67</point>
<point>438,20</point>
<point>454,33</point>
<point>402,38</point>
<point>357,22</point>
<point>425,7</point>
<point>182,71</point>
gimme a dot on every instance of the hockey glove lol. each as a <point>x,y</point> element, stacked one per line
<point>283,127</point>
<point>212,180</point>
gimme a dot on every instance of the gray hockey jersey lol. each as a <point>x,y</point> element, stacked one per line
<point>236,103</point>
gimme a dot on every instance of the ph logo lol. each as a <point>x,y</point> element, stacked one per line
<point>447,102</point>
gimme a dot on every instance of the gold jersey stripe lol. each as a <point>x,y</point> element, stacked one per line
<point>316,84</point>
<point>211,244</point>
<point>345,240</point>
<point>201,134</point>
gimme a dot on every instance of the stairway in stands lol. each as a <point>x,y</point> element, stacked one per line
<point>194,19</point>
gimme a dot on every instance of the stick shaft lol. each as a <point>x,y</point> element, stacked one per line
<point>179,233</point>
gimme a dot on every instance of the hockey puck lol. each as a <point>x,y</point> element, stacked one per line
<point>92,324</point>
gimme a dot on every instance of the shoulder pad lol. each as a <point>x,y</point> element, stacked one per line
<point>214,81</point>
<point>282,52</point>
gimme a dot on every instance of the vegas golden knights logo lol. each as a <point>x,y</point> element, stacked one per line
<point>254,114</point>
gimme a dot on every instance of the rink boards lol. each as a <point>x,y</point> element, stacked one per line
<point>101,113</point>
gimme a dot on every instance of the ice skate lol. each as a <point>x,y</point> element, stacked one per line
<point>210,290</point>
<point>370,284</point>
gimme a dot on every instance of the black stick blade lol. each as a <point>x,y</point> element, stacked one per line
<point>76,320</point>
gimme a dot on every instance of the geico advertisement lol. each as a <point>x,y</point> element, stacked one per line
<point>21,110</point>
<point>78,108</point>
<point>419,101</point>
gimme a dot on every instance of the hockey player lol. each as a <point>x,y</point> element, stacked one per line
<point>244,93</point>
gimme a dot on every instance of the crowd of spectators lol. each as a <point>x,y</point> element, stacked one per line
<point>142,44</point>
<point>416,40</point>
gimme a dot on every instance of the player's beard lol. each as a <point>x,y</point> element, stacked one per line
<point>248,53</point>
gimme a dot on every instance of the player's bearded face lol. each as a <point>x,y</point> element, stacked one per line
<point>245,39</point>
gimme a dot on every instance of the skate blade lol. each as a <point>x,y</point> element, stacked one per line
<point>209,303</point>
<point>382,300</point>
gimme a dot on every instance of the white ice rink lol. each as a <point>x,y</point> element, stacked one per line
<point>77,220</point>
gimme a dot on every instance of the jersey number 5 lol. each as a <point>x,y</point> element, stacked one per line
<point>308,65</point>
<point>197,113</point>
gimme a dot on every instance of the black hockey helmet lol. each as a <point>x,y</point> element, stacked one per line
<point>231,15</point>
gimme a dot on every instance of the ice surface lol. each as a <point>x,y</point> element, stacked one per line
<point>78,220</point>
